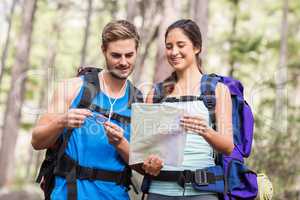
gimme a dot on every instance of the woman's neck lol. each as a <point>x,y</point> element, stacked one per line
<point>189,78</point>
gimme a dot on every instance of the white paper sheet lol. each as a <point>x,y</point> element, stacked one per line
<point>155,129</point>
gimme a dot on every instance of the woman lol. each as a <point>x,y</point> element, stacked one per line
<point>183,45</point>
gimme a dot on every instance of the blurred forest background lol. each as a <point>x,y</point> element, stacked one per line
<point>257,41</point>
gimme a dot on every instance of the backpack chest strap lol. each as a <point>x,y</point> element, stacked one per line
<point>120,118</point>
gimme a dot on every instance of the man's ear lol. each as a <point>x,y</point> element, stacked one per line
<point>103,49</point>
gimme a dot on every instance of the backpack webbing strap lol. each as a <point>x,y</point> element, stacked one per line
<point>200,176</point>
<point>47,165</point>
<point>120,118</point>
<point>135,95</point>
<point>159,93</point>
<point>183,99</point>
<point>91,88</point>
<point>207,89</point>
<point>71,170</point>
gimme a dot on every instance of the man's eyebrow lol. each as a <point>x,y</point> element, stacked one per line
<point>116,53</point>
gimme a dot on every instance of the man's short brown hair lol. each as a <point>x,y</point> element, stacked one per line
<point>119,30</point>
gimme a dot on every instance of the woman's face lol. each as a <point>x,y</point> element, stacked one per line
<point>180,50</point>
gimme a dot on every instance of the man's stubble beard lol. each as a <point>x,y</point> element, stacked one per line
<point>116,75</point>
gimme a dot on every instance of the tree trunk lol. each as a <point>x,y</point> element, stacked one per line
<point>16,94</point>
<point>171,12</point>
<point>148,32</point>
<point>280,112</point>
<point>7,41</point>
<point>232,35</point>
<point>86,32</point>
<point>199,13</point>
<point>131,10</point>
<point>48,77</point>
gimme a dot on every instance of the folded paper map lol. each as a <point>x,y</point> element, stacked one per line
<point>155,129</point>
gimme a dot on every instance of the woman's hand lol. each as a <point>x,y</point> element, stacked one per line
<point>152,165</point>
<point>195,124</point>
<point>114,133</point>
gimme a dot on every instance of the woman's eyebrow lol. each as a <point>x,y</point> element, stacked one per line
<point>180,42</point>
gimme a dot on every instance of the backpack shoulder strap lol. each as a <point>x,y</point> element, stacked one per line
<point>159,93</point>
<point>135,95</point>
<point>163,88</point>
<point>207,91</point>
<point>91,87</point>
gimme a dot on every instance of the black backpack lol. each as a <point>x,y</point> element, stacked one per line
<point>57,163</point>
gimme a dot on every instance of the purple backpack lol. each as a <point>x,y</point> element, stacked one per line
<point>239,181</point>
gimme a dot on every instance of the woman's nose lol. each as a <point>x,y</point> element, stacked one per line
<point>175,51</point>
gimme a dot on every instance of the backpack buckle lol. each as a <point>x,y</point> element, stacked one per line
<point>188,176</point>
<point>201,177</point>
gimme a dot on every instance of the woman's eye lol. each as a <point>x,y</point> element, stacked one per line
<point>168,46</point>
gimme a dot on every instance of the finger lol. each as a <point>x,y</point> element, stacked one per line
<point>145,166</point>
<point>112,125</point>
<point>80,117</point>
<point>193,124</point>
<point>82,111</point>
<point>198,118</point>
<point>116,132</point>
<point>194,127</point>
<point>75,123</point>
<point>113,134</point>
<point>198,131</point>
<point>194,121</point>
<point>110,130</point>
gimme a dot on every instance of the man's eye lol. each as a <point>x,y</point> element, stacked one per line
<point>116,55</point>
<point>129,55</point>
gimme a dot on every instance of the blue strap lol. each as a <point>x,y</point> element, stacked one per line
<point>207,90</point>
<point>208,84</point>
<point>158,93</point>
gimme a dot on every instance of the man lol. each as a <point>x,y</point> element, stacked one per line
<point>92,156</point>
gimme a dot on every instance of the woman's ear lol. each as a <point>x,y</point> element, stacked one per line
<point>197,50</point>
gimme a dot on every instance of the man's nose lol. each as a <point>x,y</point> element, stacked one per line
<point>123,60</point>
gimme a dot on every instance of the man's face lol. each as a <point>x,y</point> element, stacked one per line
<point>120,57</point>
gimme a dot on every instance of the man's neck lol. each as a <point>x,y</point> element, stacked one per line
<point>111,85</point>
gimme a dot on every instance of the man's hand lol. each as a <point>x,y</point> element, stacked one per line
<point>114,133</point>
<point>74,118</point>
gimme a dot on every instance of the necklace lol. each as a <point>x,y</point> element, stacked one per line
<point>109,99</point>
